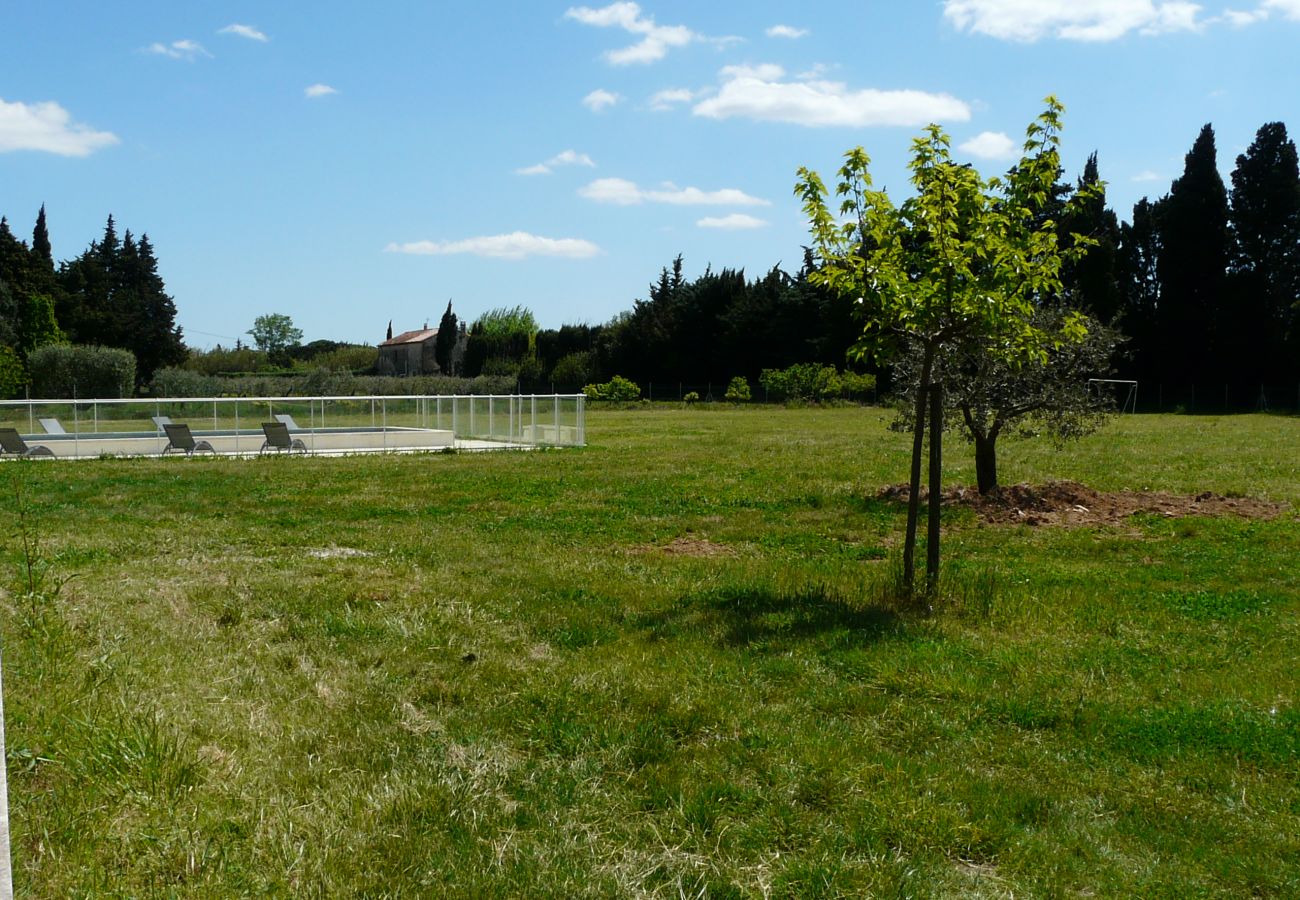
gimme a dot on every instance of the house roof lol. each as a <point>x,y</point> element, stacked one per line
<point>411,337</point>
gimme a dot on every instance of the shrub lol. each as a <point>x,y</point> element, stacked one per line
<point>174,382</point>
<point>12,374</point>
<point>856,385</point>
<point>63,371</point>
<point>738,390</point>
<point>220,361</point>
<point>351,358</point>
<point>325,382</point>
<point>809,381</point>
<point>617,388</point>
<point>692,397</point>
<point>573,369</point>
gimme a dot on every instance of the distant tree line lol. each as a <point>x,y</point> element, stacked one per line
<point>713,328</point>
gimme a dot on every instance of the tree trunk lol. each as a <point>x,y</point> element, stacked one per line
<point>914,493</point>
<point>936,489</point>
<point>986,461</point>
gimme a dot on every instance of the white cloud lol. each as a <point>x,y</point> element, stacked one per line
<point>990,145</point>
<point>1239,19</point>
<point>664,100</point>
<point>600,100</point>
<point>48,128</point>
<point>563,158</point>
<point>185,49</point>
<point>319,90</point>
<point>1145,176</point>
<point>516,245</point>
<point>1289,9</point>
<point>759,93</point>
<point>656,40</point>
<point>786,31</point>
<point>1077,20</point>
<point>622,192</point>
<point>733,222</point>
<point>245,31</point>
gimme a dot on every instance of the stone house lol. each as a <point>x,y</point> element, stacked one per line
<point>409,353</point>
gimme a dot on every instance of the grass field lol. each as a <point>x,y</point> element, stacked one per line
<point>480,675</point>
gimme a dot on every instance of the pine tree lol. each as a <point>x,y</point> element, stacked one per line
<point>1192,270</point>
<point>1265,263</point>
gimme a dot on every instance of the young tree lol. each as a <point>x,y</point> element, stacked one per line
<point>963,258</point>
<point>274,334</point>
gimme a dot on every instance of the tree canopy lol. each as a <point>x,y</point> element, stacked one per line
<point>964,262</point>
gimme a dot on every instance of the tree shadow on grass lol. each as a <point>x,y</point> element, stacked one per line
<point>760,617</point>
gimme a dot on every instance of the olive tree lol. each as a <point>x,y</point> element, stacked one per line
<point>963,258</point>
<point>985,397</point>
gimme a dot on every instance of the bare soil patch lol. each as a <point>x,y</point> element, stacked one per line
<point>1069,504</point>
<point>687,545</point>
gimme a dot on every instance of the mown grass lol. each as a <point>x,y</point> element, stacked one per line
<point>473,675</point>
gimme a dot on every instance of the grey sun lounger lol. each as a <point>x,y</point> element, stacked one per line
<point>288,420</point>
<point>279,440</point>
<point>160,421</point>
<point>181,440</point>
<point>12,444</point>
<point>52,426</point>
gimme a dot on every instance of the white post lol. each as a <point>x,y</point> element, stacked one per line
<point>534,421</point>
<point>6,872</point>
<point>557,419</point>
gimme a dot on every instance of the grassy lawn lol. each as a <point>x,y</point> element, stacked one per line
<point>481,675</point>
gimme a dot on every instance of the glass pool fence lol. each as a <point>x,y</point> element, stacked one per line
<point>324,424</point>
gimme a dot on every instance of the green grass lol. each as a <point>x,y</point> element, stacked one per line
<point>501,689</point>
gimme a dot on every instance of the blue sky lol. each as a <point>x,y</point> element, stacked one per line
<point>348,164</point>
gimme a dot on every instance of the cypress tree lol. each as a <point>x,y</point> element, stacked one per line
<point>1092,280</point>
<point>444,347</point>
<point>1192,270</point>
<point>155,338</point>
<point>1139,287</point>
<point>1265,263</point>
<point>41,241</point>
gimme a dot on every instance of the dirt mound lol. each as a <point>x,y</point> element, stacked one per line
<point>1070,504</point>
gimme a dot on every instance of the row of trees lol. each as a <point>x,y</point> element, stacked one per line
<point>111,295</point>
<point>1202,282</point>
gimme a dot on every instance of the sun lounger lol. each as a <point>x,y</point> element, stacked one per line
<point>51,426</point>
<point>160,421</point>
<point>12,444</point>
<point>288,421</point>
<point>181,440</point>
<point>279,440</point>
